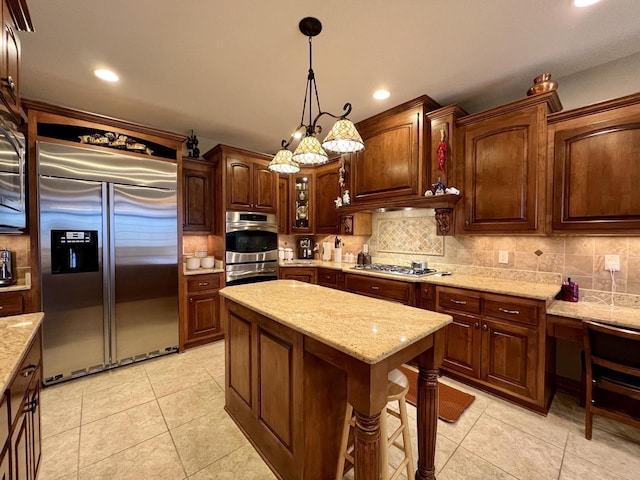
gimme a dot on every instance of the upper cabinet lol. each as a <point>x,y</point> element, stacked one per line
<point>197,192</point>
<point>15,16</point>
<point>504,158</point>
<point>594,167</point>
<point>395,161</point>
<point>283,204</point>
<point>302,202</point>
<point>248,183</point>
<point>326,191</point>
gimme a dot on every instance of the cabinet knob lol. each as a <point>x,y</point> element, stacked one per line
<point>11,84</point>
<point>484,326</point>
<point>190,299</point>
<point>466,222</point>
<point>1,307</point>
<point>477,325</point>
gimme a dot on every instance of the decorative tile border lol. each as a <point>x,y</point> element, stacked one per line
<point>409,235</point>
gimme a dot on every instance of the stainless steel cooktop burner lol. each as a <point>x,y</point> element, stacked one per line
<point>396,269</point>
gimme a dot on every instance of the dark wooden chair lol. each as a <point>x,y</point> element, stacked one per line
<point>612,361</point>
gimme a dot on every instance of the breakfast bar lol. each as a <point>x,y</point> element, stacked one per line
<point>296,353</point>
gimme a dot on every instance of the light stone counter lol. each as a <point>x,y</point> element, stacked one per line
<point>536,291</point>
<point>365,328</point>
<point>16,332</point>
<point>618,316</point>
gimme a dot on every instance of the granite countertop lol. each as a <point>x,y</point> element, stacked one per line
<point>618,316</point>
<point>536,291</point>
<point>16,332</point>
<point>365,328</point>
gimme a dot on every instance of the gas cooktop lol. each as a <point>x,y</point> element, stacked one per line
<point>395,269</point>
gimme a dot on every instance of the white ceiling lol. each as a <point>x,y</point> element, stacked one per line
<point>234,71</point>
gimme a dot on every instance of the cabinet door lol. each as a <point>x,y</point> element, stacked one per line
<point>283,205</point>
<point>11,303</point>
<point>264,188</point>
<point>239,183</point>
<point>5,466</point>
<point>35,434</point>
<point>327,190</point>
<point>392,163</point>
<point>307,275</point>
<point>10,88</point>
<point>20,448</point>
<point>302,202</point>
<point>462,344</point>
<point>502,157</point>
<point>204,316</point>
<point>509,357</point>
<point>197,183</point>
<point>596,172</point>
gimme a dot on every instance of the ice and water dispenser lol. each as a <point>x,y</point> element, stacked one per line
<point>74,251</point>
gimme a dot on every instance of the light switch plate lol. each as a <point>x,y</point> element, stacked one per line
<point>503,256</point>
<point>612,263</point>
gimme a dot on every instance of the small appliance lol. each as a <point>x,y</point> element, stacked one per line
<point>305,248</point>
<point>6,268</point>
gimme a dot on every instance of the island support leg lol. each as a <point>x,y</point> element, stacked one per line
<point>367,447</point>
<point>427,409</point>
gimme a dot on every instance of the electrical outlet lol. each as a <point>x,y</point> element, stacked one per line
<point>612,263</point>
<point>503,256</point>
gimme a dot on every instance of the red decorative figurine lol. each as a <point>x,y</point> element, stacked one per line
<point>442,149</point>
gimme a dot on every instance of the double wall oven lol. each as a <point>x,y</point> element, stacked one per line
<point>251,247</point>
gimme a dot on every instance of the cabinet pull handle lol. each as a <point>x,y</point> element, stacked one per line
<point>458,302</point>
<point>31,406</point>
<point>374,287</point>
<point>484,326</point>
<point>11,84</point>
<point>203,284</point>
<point>190,299</point>
<point>28,370</point>
<point>477,325</point>
<point>510,312</point>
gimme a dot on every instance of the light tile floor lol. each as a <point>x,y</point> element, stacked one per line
<point>165,419</point>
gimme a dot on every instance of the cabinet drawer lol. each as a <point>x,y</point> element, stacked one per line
<point>381,288</point>
<point>512,311</point>
<point>24,374</point>
<point>460,301</point>
<point>11,304</point>
<point>330,278</point>
<point>204,282</point>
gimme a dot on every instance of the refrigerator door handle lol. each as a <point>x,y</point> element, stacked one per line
<point>110,268</point>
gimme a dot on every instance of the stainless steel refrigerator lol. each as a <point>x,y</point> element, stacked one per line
<point>108,237</point>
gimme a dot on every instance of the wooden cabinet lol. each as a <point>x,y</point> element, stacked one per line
<point>498,343</point>
<point>327,189</point>
<point>11,303</point>
<point>302,201</point>
<point>302,274</point>
<point>15,16</point>
<point>22,447</point>
<point>396,160</point>
<point>203,309</point>
<point>283,205</point>
<point>248,184</point>
<point>197,194</point>
<point>504,157</point>
<point>426,296</point>
<point>328,277</point>
<point>594,167</point>
<point>386,289</point>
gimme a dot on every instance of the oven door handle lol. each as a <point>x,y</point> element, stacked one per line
<point>251,272</point>
<point>235,227</point>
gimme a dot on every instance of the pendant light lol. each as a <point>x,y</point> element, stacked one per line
<point>343,136</point>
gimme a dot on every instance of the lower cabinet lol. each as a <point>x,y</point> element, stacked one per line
<point>426,296</point>
<point>21,411</point>
<point>302,274</point>
<point>203,309</point>
<point>11,303</point>
<point>328,277</point>
<point>386,289</point>
<point>496,342</point>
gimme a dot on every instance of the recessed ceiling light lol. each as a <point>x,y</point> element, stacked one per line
<point>584,3</point>
<point>381,94</point>
<point>106,75</point>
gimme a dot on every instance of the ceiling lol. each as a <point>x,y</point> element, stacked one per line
<point>234,71</point>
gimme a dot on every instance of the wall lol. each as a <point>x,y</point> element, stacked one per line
<point>19,245</point>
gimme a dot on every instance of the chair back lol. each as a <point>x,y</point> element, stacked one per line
<point>613,348</point>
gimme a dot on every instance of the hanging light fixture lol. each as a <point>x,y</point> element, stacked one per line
<point>343,137</point>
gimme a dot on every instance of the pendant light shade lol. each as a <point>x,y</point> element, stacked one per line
<point>310,152</point>
<point>282,162</point>
<point>343,138</point>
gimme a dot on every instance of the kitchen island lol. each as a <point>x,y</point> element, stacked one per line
<point>296,353</point>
